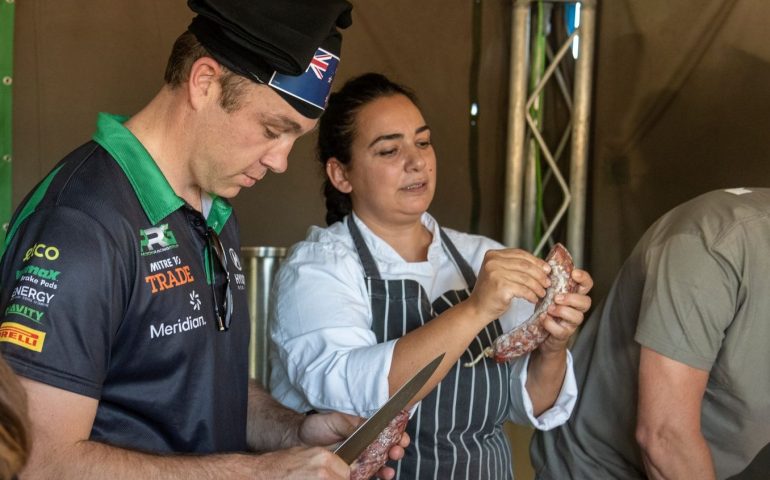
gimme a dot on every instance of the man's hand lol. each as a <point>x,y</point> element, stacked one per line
<point>301,463</point>
<point>324,429</point>
<point>328,429</point>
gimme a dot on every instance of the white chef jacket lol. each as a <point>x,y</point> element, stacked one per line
<point>324,354</point>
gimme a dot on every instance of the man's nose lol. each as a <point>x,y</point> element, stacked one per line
<point>277,159</point>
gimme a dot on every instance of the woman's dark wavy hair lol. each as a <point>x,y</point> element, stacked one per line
<point>337,129</point>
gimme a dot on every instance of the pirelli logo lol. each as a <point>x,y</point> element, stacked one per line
<point>22,336</point>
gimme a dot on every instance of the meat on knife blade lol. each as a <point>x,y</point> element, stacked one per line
<point>376,454</point>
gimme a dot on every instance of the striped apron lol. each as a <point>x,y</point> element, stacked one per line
<point>457,430</point>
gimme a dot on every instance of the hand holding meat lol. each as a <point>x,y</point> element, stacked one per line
<point>567,313</point>
<point>565,299</point>
<point>504,275</point>
<point>373,458</point>
<point>325,429</point>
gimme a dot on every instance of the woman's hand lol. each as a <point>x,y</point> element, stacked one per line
<point>507,274</point>
<point>567,313</point>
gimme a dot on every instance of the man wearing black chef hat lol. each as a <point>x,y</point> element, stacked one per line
<point>122,302</point>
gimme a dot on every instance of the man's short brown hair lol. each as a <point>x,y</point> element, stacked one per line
<point>186,51</point>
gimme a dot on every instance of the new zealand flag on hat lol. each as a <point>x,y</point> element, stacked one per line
<point>314,85</point>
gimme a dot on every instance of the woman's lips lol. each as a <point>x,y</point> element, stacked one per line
<point>415,187</point>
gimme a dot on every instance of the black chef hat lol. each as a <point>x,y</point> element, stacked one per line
<point>291,45</point>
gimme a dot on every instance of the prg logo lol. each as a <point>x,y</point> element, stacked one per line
<point>157,239</point>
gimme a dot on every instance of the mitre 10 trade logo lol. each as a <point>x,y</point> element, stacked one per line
<point>157,239</point>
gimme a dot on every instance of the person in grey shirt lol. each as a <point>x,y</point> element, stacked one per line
<point>672,366</point>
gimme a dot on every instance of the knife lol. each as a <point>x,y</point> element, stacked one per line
<point>371,428</point>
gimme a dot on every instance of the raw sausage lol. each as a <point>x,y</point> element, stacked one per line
<point>530,334</point>
<point>374,457</point>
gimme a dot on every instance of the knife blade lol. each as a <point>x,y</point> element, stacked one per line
<point>368,431</point>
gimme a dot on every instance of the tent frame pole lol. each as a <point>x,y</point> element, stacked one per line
<point>519,209</point>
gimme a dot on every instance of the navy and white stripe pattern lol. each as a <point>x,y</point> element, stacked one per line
<point>457,430</point>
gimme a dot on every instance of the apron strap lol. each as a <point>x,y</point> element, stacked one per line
<point>460,263</point>
<point>370,266</point>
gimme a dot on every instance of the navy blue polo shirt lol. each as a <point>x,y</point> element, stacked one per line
<point>105,290</point>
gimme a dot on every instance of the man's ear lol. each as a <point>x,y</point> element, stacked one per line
<point>203,84</point>
<point>338,175</point>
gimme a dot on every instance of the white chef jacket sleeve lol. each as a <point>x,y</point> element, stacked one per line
<point>321,331</point>
<point>522,411</point>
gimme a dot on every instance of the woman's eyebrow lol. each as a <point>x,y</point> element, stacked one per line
<point>394,136</point>
<point>390,136</point>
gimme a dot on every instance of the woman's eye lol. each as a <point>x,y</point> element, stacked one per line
<point>387,153</point>
<point>271,134</point>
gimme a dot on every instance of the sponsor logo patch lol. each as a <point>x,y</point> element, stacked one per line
<point>22,336</point>
<point>236,259</point>
<point>157,239</point>
<point>240,280</point>
<point>38,272</point>
<point>195,300</point>
<point>32,294</point>
<point>169,279</point>
<point>180,326</point>
<point>24,311</point>
<point>41,250</point>
<point>170,262</point>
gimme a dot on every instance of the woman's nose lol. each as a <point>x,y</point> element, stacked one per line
<point>415,159</point>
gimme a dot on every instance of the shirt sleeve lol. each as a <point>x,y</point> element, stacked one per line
<point>321,331</point>
<point>62,300</point>
<point>522,411</point>
<point>689,300</point>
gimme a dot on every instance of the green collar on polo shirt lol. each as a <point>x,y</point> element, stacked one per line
<point>152,189</point>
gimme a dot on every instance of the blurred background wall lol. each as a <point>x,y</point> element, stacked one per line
<point>680,106</point>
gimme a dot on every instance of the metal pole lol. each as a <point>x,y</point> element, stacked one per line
<point>260,266</point>
<point>581,121</point>
<point>517,93</point>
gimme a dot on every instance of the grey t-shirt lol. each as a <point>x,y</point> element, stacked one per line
<point>695,290</point>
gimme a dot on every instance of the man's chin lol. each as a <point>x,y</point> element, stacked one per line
<point>229,192</point>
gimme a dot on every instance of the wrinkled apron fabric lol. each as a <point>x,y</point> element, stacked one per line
<point>457,430</point>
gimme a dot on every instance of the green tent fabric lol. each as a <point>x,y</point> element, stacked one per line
<point>6,82</point>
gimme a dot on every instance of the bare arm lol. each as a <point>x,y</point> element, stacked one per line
<point>548,364</point>
<point>668,426</point>
<point>272,426</point>
<point>61,426</point>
